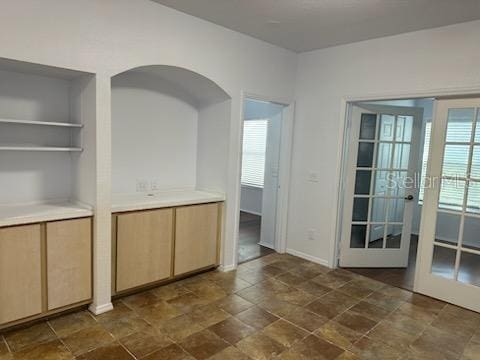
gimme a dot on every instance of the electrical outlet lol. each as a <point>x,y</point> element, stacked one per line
<point>155,185</point>
<point>313,177</point>
<point>311,234</point>
<point>142,186</point>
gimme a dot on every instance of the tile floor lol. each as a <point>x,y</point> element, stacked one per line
<point>275,307</point>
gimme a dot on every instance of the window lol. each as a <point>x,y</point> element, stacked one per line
<point>452,196</point>
<point>254,148</point>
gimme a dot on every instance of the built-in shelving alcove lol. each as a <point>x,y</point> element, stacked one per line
<point>47,120</point>
<point>170,131</point>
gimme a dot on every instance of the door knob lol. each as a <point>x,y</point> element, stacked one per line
<point>409,197</point>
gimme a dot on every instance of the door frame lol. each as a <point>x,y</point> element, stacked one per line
<point>286,143</point>
<point>342,150</point>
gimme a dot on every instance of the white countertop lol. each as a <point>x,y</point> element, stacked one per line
<point>18,214</point>
<point>144,201</point>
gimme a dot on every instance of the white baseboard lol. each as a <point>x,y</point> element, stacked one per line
<point>266,245</point>
<point>251,212</point>
<point>100,309</point>
<point>226,268</point>
<point>308,257</point>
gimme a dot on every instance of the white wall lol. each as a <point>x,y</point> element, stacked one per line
<point>213,146</point>
<point>419,62</point>
<point>251,200</point>
<point>111,36</point>
<point>27,176</point>
<point>154,134</point>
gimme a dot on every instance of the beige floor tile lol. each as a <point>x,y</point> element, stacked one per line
<point>256,317</point>
<point>232,330</point>
<point>355,322</point>
<point>332,304</point>
<point>285,333</point>
<point>394,337</point>
<point>159,313</point>
<point>71,323</point>
<point>230,353</point>
<point>370,311</point>
<point>172,352</point>
<point>141,344</point>
<point>120,310</point>
<point>384,301</point>
<point>313,347</point>
<point>170,291</point>
<point>338,334</point>
<point>369,349</point>
<point>260,347</point>
<point>112,351</point>
<point>208,315</point>
<point>50,350</point>
<point>126,326</point>
<point>233,304</point>
<point>180,327</point>
<point>203,344</point>
<point>23,338</point>
<point>305,319</point>
<point>87,339</point>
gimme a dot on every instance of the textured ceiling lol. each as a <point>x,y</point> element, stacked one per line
<point>303,25</point>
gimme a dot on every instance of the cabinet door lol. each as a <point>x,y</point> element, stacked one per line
<point>20,272</point>
<point>144,247</point>
<point>196,235</point>
<point>69,262</point>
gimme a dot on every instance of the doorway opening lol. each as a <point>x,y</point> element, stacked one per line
<point>388,144</point>
<point>262,136</point>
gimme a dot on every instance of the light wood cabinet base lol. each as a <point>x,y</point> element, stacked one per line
<point>155,247</point>
<point>44,268</point>
<point>45,315</point>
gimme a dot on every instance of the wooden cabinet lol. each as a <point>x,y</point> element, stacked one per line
<point>44,268</point>
<point>155,245</point>
<point>69,262</point>
<point>196,234</point>
<point>144,247</point>
<point>20,272</point>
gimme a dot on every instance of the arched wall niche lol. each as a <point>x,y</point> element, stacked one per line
<point>170,131</point>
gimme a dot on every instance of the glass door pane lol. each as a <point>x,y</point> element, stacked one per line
<point>383,159</point>
<point>376,226</point>
<point>456,247</point>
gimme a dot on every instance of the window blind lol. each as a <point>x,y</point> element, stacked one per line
<point>451,195</point>
<point>254,148</point>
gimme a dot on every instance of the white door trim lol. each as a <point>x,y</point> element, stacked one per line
<point>284,173</point>
<point>343,146</point>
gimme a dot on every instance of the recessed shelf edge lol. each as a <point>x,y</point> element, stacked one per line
<point>41,123</point>
<point>40,148</point>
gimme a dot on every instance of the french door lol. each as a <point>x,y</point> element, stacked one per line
<point>448,267</point>
<point>382,158</point>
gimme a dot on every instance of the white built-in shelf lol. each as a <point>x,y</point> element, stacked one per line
<point>18,214</point>
<point>41,123</point>
<point>40,148</point>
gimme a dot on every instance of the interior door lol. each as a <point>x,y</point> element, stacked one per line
<point>448,266</point>
<point>271,181</point>
<point>383,150</point>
